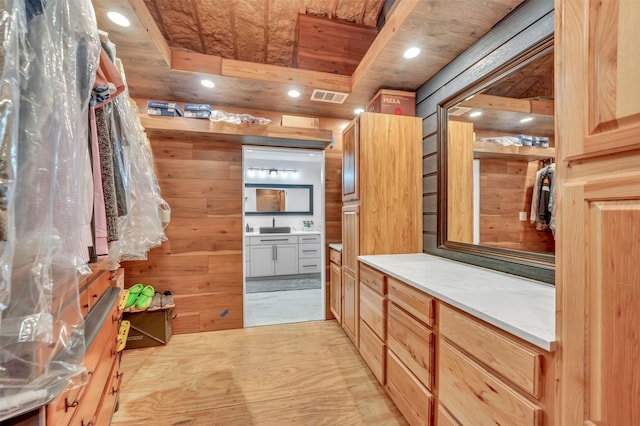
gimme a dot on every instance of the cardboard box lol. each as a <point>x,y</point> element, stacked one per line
<point>149,328</point>
<point>393,102</point>
<point>197,107</point>
<point>164,112</point>
<point>197,114</point>
<point>298,121</point>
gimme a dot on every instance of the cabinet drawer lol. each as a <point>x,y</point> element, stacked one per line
<point>373,310</point>
<point>97,287</point>
<point>309,250</point>
<point>474,396</point>
<point>413,400</point>
<point>309,266</point>
<point>413,343</point>
<point>444,418</point>
<point>91,394</point>
<point>109,395</point>
<point>411,300</point>
<point>305,239</point>
<point>276,239</point>
<point>335,256</point>
<point>520,365</point>
<point>373,351</point>
<point>61,410</point>
<point>374,279</point>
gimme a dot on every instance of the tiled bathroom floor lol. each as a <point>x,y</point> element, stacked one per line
<point>281,307</point>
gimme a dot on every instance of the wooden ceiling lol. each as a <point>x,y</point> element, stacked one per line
<point>157,68</point>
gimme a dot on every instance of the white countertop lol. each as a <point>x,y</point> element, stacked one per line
<point>336,246</point>
<point>522,307</point>
<point>258,234</point>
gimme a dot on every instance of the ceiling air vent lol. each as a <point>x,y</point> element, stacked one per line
<point>457,110</point>
<point>328,96</point>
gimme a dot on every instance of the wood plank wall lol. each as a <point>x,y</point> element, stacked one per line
<point>526,27</point>
<point>201,263</point>
<point>507,188</point>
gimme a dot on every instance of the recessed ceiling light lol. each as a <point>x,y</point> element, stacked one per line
<point>358,110</point>
<point>312,154</point>
<point>118,19</point>
<point>475,114</point>
<point>208,84</point>
<point>526,119</point>
<point>294,93</point>
<point>412,52</point>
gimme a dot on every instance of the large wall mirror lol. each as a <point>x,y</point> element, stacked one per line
<point>269,199</point>
<point>498,146</point>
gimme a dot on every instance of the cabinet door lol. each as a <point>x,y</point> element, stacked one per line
<point>262,260</point>
<point>350,161</point>
<point>335,281</point>
<point>286,257</point>
<point>597,272</point>
<point>350,306</point>
<point>350,236</point>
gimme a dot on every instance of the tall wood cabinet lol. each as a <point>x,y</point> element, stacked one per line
<point>382,192</point>
<point>598,220</point>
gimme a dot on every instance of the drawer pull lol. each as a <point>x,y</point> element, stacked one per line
<point>277,239</point>
<point>91,423</point>
<point>116,389</point>
<point>309,251</point>
<point>309,266</point>
<point>72,405</point>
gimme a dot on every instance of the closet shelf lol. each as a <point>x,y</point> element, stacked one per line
<point>249,134</point>
<point>522,153</point>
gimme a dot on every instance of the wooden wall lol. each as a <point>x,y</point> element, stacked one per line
<point>526,27</point>
<point>201,263</point>
<point>506,189</point>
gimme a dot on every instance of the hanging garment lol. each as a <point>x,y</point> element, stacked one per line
<point>106,168</point>
<point>99,210</point>
<point>543,199</point>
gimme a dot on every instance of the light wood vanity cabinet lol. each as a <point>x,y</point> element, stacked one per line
<point>444,367</point>
<point>487,376</point>
<point>335,284</point>
<point>373,320</point>
<point>381,181</point>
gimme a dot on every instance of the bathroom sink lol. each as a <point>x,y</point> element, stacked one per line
<point>276,230</point>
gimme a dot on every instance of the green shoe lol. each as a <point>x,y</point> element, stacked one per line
<point>134,291</point>
<point>145,298</point>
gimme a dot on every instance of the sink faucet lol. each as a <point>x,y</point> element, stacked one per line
<point>273,224</point>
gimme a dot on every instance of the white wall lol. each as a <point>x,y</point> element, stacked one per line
<point>309,173</point>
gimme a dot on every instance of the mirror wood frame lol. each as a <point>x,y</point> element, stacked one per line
<point>527,26</point>
<point>282,186</point>
<point>531,265</point>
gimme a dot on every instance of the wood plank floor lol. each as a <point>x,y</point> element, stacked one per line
<point>293,374</point>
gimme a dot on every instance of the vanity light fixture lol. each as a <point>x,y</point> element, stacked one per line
<point>475,114</point>
<point>358,110</point>
<point>271,171</point>
<point>118,19</point>
<point>412,52</point>
<point>294,93</point>
<point>526,119</point>
<point>208,84</point>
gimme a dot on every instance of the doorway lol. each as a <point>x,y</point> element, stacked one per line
<point>284,236</point>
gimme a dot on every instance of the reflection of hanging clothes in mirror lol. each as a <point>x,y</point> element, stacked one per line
<point>543,198</point>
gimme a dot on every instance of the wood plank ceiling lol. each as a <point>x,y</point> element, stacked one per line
<point>165,63</point>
